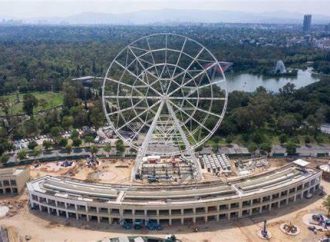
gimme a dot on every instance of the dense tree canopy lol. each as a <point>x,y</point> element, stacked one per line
<point>47,58</point>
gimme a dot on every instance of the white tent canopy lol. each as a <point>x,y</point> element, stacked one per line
<point>301,162</point>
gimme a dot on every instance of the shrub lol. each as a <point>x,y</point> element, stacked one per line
<point>32,144</point>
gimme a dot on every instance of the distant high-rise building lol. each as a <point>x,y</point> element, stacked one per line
<point>307,23</point>
<point>327,27</point>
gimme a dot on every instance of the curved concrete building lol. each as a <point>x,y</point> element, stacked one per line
<point>325,171</point>
<point>180,204</point>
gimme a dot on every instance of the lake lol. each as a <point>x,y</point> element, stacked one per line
<point>249,82</point>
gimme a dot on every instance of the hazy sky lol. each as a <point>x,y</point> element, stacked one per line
<point>60,8</point>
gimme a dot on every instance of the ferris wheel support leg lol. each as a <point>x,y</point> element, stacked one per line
<point>190,151</point>
<point>143,149</point>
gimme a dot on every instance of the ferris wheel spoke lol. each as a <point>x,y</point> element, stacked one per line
<point>152,56</point>
<point>179,128</point>
<point>179,57</point>
<point>125,109</point>
<point>197,98</point>
<point>190,134</point>
<point>138,48</point>
<point>142,55</point>
<point>139,115</point>
<point>144,123</point>
<point>137,77</point>
<point>204,111</point>
<point>139,60</point>
<point>136,58</point>
<point>194,59</point>
<point>172,80</point>
<point>120,83</point>
<point>195,120</point>
<point>206,98</point>
<point>124,84</point>
<point>211,84</point>
<point>137,132</point>
<point>159,79</point>
<point>134,97</point>
<point>166,49</point>
<point>194,77</point>
<point>194,107</point>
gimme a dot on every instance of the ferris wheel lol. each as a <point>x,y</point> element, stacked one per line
<point>164,94</point>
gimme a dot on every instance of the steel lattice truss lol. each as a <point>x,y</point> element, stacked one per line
<point>164,95</point>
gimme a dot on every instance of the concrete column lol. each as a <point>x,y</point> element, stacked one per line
<point>57,212</point>
<point>77,216</point>
<point>182,221</point>
<point>121,214</point>
<point>48,210</point>
<point>170,222</point>
<point>194,219</point>
<point>67,214</point>
<point>76,207</point>
<point>98,219</point>
<point>87,218</point>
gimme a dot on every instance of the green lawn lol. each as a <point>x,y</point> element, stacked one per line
<point>46,100</point>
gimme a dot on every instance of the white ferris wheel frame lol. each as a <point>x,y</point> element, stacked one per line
<point>165,98</point>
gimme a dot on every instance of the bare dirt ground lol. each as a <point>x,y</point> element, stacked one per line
<point>107,171</point>
<point>112,170</point>
<point>41,227</point>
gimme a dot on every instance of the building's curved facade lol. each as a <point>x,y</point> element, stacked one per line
<point>182,204</point>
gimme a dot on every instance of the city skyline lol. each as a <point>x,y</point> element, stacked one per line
<point>27,9</point>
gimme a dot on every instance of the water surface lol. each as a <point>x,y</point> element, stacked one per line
<point>249,82</point>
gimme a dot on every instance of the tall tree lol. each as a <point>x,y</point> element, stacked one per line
<point>29,103</point>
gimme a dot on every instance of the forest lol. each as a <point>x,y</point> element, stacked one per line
<point>47,58</point>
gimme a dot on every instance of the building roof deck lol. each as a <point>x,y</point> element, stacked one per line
<point>118,193</point>
<point>11,171</point>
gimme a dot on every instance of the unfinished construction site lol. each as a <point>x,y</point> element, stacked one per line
<point>168,184</point>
